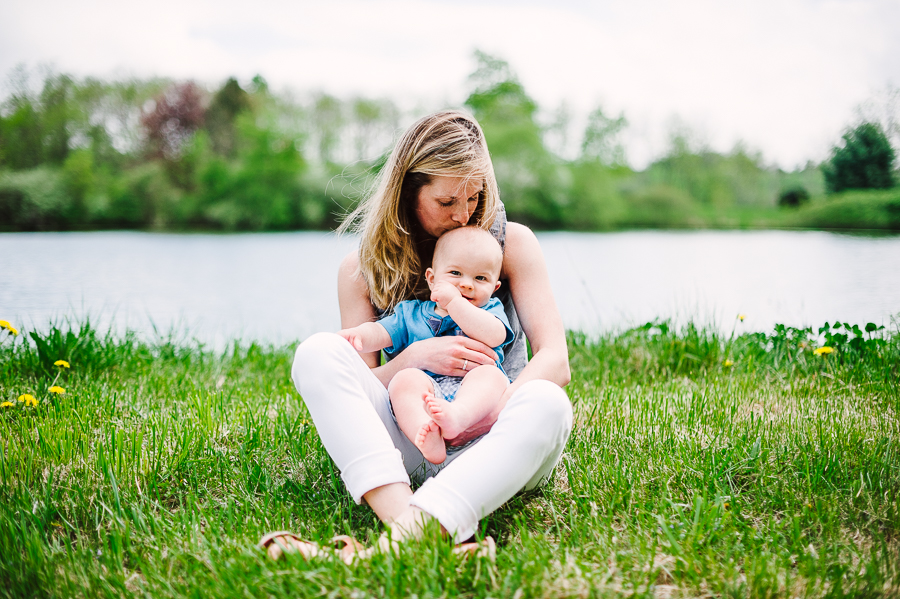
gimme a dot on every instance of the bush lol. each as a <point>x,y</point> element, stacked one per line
<point>36,199</point>
<point>854,210</point>
<point>141,197</point>
<point>594,200</point>
<point>864,162</point>
<point>793,198</point>
<point>659,206</point>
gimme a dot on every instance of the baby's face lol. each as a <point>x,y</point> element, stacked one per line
<point>471,264</point>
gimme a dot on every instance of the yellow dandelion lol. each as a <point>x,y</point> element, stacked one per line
<point>741,317</point>
<point>7,404</point>
<point>56,389</point>
<point>823,350</point>
<point>62,364</point>
<point>30,401</point>
<point>728,363</point>
<point>4,324</point>
<point>27,397</point>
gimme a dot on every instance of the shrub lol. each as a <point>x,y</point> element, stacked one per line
<point>659,206</point>
<point>36,199</point>
<point>143,196</point>
<point>594,200</point>
<point>793,198</point>
<point>854,210</point>
<point>864,162</point>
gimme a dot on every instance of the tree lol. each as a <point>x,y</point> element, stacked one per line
<point>601,138</point>
<point>177,114</point>
<point>328,123</point>
<point>21,144</point>
<point>58,114</point>
<point>527,173</point>
<point>21,130</point>
<point>865,160</point>
<point>226,105</point>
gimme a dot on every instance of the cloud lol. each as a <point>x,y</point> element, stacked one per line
<point>782,75</point>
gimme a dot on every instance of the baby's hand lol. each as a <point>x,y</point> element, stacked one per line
<point>353,336</point>
<point>444,293</point>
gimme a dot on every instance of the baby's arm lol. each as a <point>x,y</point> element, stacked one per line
<point>478,324</point>
<point>367,337</point>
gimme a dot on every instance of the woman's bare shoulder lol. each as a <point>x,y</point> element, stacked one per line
<point>521,247</point>
<point>349,264</point>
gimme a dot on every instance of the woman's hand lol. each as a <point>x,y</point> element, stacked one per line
<point>453,356</point>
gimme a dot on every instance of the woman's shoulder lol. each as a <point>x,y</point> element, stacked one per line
<point>521,247</point>
<point>518,232</point>
<point>349,264</point>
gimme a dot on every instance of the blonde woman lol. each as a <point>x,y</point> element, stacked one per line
<point>438,177</point>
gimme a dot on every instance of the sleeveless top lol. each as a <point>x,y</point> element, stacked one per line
<point>516,353</point>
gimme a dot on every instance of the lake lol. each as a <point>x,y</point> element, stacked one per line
<point>281,287</point>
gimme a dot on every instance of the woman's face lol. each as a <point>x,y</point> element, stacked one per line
<point>447,203</point>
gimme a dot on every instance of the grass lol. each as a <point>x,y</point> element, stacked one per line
<point>700,465</point>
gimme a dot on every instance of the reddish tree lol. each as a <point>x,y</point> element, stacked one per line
<point>177,114</point>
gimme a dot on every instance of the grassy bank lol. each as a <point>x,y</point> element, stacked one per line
<point>700,464</point>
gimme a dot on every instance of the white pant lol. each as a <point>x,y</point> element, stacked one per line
<point>352,413</point>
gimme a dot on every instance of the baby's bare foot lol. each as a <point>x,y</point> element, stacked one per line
<point>446,415</point>
<point>431,443</point>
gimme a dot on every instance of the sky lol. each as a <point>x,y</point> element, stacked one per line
<point>782,77</point>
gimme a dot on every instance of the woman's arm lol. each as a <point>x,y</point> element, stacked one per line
<point>443,355</point>
<point>529,284</point>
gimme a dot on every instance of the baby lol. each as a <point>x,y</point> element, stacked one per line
<point>464,274</point>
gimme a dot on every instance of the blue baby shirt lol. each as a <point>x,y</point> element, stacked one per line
<point>414,320</point>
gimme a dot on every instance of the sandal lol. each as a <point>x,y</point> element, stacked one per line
<point>277,543</point>
<point>483,548</point>
<point>346,547</point>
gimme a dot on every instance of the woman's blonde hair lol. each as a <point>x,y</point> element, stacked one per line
<point>448,143</point>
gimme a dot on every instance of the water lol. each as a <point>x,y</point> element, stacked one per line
<point>282,287</point>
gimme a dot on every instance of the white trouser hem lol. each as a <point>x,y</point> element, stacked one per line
<point>374,470</point>
<point>449,508</point>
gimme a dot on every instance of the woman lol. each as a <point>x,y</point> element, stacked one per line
<point>439,177</point>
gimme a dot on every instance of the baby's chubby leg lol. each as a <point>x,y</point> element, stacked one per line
<point>477,397</point>
<point>408,390</point>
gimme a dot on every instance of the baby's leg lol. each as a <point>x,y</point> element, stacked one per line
<point>478,395</point>
<point>408,389</point>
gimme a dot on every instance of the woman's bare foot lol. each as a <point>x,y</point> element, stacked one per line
<point>431,443</point>
<point>447,416</point>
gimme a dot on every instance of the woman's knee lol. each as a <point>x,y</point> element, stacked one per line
<point>547,405</point>
<point>316,353</point>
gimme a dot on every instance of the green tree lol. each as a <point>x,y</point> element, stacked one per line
<point>261,189</point>
<point>21,133</point>
<point>528,174</point>
<point>57,116</point>
<point>230,101</point>
<point>601,138</point>
<point>865,160</point>
<point>21,144</point>
<point>327,124</point>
